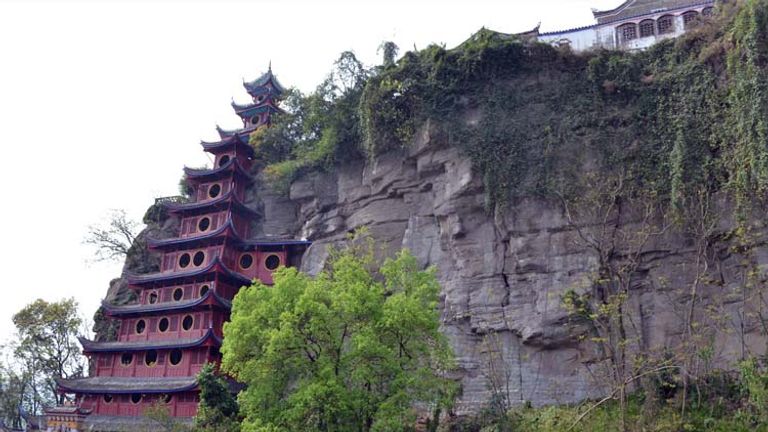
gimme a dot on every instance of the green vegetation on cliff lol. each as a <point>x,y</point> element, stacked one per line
<point>685,116</point>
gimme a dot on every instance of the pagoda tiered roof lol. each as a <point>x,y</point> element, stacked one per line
<point>127,385</point>
<point>249,110</point>
<point>264,84</point>
<point>233,166</point>
<point>228,142</point>
<point>214,265</point>
<point>265,242</point>
<point>90,346</point>
<point>223,200</point>
<point>242,134</point>
<point>210,298</point>
<point>227,229</point>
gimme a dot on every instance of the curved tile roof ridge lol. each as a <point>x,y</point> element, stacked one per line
<point>90,346</point>
<point>165,306</point>
<point>127,385</point>
<point>135,279</point>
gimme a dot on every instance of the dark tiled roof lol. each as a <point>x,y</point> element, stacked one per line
<point>228,225</point>
<point>136,279</point>
<point>223,199</point>
<point>231,165</point>
<point>229,133</point>
<point>128,423</point>
<point>125,385</point>
<point>635,8</point>
<point>225,143</point>
<point>276,242</point>
<point>165,306</point>
<point>90,346</point>
<point>257,86</point>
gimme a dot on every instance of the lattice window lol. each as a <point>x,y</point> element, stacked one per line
<point>627,32</point>
<point>647,28</point>
<point>689,18</point>
<point>666,24</point>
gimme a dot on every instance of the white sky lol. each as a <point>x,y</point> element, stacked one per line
<point>103,102</point>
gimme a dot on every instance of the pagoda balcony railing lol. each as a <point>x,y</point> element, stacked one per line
<point>176,199</point>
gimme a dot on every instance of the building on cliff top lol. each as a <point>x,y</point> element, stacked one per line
<point>175,325</point>
<point>633,25</point>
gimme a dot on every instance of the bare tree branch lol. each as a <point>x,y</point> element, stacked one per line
<point>113,240</point>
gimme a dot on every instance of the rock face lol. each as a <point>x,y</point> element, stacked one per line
<point>503,276</point>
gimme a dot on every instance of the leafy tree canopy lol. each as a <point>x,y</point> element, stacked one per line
<point>218,410</point>
<point>46,348</point>
<point>355,349</point>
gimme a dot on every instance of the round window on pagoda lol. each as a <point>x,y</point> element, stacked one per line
<point>184,260</point>
<point>214,191</point>
<point>187,322</point>
<point>204,290</point>
<point>272,262</point>
<point>246,261</point>
<point>126,359</point>
<point>260,98</point>
<point>178,294</point>
<point>166,398</point>
<point>135,398</point>
<point>141,325</point>
<point>198,259</point>
<point>150,358</point>
<point>108,398</point>
<point>255,120</point>
<point>176,356</point>
<point>223,160</point>
<point>163,325</point>
<point>153,297</point>
<point>203,224</point>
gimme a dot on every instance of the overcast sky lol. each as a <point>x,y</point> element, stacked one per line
<point>103,102</point>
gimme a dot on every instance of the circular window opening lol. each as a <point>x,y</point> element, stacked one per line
<point>246,261</point>
<point>214,191</point>
<point>186,324</point>
<point>135,398</point>
<point>204,290</point>
<point>152,298</point>
<point>178,293</point>
<point>260,99</point>
<point>140,326</point>
<point>255,120</point>
<point>204,224</point>
<point>176,357</point>
<point>108,398</point>
<point>166,398</point>
<point>272,262</point>
<point>150,358</point>
<point>184,260</point>
<point>223,161</point>
<point>126,359</point>
<point>198,259</point>
<point>163,325</point>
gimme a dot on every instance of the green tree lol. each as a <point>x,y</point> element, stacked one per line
<point>388,50</point>
<point>218,410</point>
<point>46,348</point>
<point>353,349</point>
<point>11,397</point>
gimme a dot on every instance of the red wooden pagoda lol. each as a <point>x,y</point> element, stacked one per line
<point>175,327</point>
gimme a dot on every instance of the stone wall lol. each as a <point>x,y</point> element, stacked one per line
<point>503,276</point>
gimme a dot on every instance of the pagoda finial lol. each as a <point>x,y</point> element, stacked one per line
<point>270,65</point>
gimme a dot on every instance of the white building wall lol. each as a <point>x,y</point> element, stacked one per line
<point>607,36</point>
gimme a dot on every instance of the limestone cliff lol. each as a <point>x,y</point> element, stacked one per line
<point>504,276</point>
